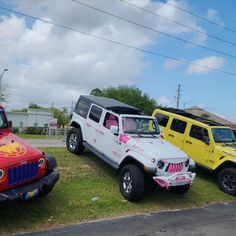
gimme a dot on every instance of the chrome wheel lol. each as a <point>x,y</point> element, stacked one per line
<point>127,183</point>
<point>73,141</point>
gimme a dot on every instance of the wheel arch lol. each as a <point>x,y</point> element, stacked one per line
<point>227,164</point>
<point>75,125</point>
<point>131,160</point>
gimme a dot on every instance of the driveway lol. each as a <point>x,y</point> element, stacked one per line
<point>215,220</point>
<point>46,143</point>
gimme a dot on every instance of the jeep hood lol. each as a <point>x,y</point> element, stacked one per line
<point>14,149</point>
<point>156,148</point>
<point>227,148</point>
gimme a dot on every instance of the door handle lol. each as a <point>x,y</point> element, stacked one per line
<point>171,135</point>
<point>188,142</point>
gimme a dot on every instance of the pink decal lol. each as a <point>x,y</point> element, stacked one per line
<point>94,140</point>
<point>101,132</point>
<point>96,130</point>
<point>161,182</point>
<point>124,138</point>
<point>88,125</point>
<point>114,152</point>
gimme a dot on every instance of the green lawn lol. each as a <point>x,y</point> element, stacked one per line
<point>41,136</point>
<point>88,189</point>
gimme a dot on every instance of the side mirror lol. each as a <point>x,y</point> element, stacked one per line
<point>114,129</point>
<point>10,124</point>
<point>206,140</point>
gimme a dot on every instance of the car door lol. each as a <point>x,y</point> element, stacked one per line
<point>194,146</point>
<point>92,125</point>
<point>108,142</point>
<point>176,132</point>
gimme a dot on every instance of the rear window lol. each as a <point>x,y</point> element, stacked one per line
<point>162,119</point>
<point>82,108</point>
<point>95,113</point>
<point>178,126</point>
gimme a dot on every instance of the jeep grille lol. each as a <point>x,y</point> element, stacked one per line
<point>22,173</point>
<point>174,167</point>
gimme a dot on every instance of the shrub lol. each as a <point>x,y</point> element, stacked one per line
<point>34,130</point>
<point>14,130</point>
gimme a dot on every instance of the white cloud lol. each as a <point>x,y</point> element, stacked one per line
<point>166,101</point>
<point>171,64</point>
<point>212,15</point>
<point>207,65</point>
<point>48,64</point>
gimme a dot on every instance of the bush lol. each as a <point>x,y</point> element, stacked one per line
<point>34,130</point>
<point>14,130</point>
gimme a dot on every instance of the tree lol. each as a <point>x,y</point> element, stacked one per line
<point>62,116</point>
<point>130,95</point>
<point>35,106</point>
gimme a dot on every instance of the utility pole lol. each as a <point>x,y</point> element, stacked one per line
<point>178,96</point>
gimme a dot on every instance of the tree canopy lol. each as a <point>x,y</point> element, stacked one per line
<point>129,95</point>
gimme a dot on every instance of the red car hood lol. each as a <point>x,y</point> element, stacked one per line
<point>14,149</point>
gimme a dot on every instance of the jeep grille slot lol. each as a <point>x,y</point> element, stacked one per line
<point>174,167</point>
<point>22,173</point>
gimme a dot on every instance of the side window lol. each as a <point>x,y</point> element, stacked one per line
<point>95,113</point>
<point>82,108</point>
<point>178,126</point>
<point>110,120</point>
<point>198,132</point>
<point>162,119</point>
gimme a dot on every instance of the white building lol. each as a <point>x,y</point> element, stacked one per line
<point>31,118</point>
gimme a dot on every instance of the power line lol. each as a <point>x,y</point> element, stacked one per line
<point>178,23</point>
<point>198,16</point>
<point>155,30</point>
<point>118,43</point>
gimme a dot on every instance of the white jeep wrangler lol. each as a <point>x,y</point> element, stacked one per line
<point>129,142</point>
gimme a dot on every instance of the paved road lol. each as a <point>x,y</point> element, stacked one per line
<point>46,143</point>
<point>215,220</point>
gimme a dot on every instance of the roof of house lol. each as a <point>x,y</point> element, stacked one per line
<point>112,104</point>
<point>210,116</point>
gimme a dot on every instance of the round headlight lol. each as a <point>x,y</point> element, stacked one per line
<point>1,173</point>
<point>41,162</point>
<point>160,164</point>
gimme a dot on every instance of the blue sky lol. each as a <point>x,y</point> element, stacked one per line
<point>61,65</point>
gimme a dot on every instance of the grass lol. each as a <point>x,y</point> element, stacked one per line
<point>41,136</point>
<point>88,189</point>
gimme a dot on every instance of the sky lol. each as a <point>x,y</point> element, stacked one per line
<point>52,65</point>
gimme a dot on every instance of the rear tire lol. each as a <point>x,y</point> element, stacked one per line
<point>132,182</point>
<point>227,180</point>
<point>74,141</point>
<point>182,189</point>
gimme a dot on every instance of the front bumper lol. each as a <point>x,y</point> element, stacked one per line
<point>29,189</point>
<point>177,179</point>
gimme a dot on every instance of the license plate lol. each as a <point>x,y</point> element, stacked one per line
<point>31,194</point>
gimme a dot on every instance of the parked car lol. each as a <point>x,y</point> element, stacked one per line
<point>210,144</point>
<point>25,172</point>
<point>129,142</point>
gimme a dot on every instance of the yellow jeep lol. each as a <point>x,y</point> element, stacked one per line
<point>210,144</point>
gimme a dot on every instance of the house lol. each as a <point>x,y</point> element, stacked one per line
<point>210,116</point>
<point>31,118</point>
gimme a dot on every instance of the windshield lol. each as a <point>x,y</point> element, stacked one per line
<point>222,135</point>
<point>140,125</point>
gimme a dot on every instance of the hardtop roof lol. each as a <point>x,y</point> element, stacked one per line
<point>112,104</point>
<point>191,116</point>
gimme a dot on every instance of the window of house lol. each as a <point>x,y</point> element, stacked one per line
<point>21,124</point>
<point>35,124</point>
<point>178,126</point>
<point>198,132</point>
<point>162,119</point>
<point>82,108</point>
<point>95,113</point>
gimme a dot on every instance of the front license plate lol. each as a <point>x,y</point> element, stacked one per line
<point>31,194</point>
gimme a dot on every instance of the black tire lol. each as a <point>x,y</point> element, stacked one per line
<point>74,141</point>
<point>182,189</point>
<point>132,182</point>
<point>227,180</point>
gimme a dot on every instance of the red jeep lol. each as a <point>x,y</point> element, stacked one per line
<point>25,172</point>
